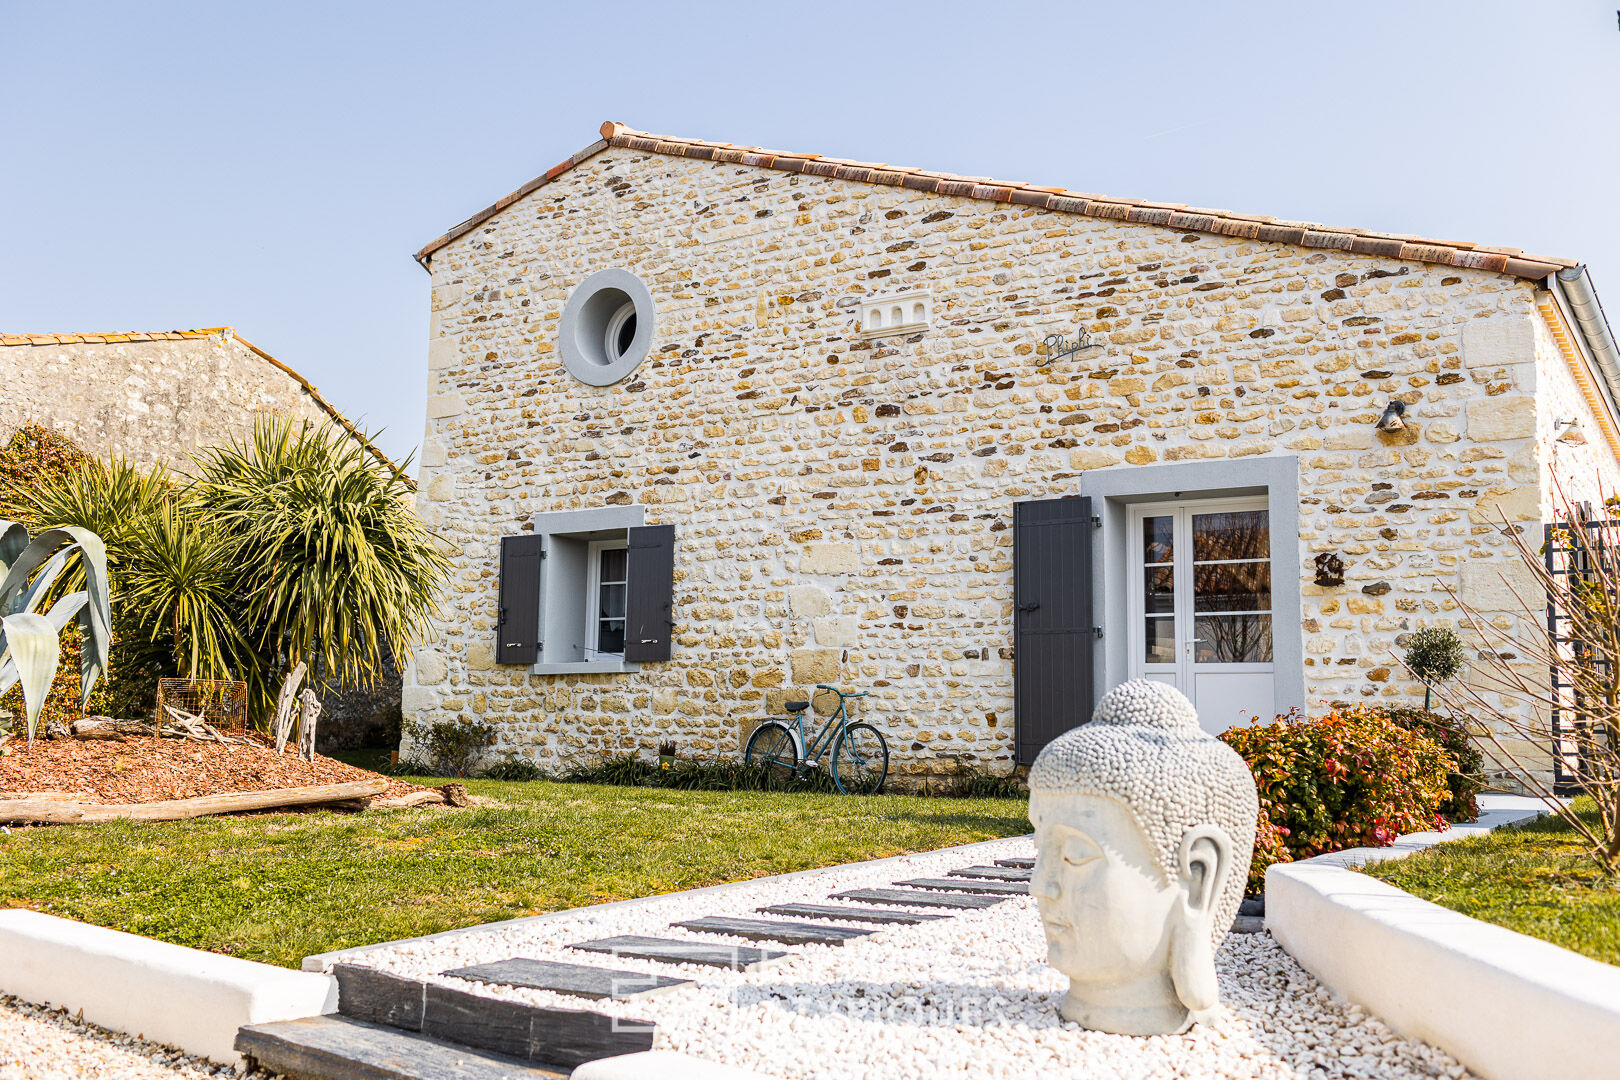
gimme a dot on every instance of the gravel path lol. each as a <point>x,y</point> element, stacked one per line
<point>37,1043</point>
<point>967,996</point>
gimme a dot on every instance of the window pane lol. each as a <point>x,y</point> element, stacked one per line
<point>611,601</point>
<point>1232,587</point>
<point>614,561</point>
<point>1232,639</point>
<point>1241,534</point>
<point>1161,640</point>
<point>610,636</point>
<point>1157,539</point>
<point>1161,590</point>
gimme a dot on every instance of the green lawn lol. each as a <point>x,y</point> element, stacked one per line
<point>1534,879</point>
<point>277,887</point>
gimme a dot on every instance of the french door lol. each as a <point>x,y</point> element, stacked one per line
<point>1200,599</point>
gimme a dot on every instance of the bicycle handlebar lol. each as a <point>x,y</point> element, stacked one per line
<point>840,693</point>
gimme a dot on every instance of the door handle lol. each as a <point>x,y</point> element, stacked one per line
<point>1027,607</point>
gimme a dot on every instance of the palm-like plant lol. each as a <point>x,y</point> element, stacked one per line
<point>335,565</point>
<point>179,577</point>
<point>30,646</point>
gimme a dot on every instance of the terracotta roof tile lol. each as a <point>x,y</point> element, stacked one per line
<point>213,331</point>
<point>1170,215</point>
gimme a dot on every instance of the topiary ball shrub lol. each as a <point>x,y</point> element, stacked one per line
<point>1352,778</point>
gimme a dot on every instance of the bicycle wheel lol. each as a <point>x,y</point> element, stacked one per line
<point>773,749</point>
<point>860,760</point>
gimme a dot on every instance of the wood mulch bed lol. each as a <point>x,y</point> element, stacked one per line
<point>150,769</point>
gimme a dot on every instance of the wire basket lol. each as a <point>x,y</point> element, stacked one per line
<point>220,702</point>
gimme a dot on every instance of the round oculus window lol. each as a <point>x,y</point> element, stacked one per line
<point>606,329</point>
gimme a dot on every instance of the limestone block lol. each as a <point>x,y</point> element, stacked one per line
<point>414,700</point>
<point>1499,341</point>
<point>1522,503</point>
<point>444,406</point>
<point>812,666</point>
<point>441,487</point>
<point>829,559</point>
<point>664,700</point>
<point>479,656</point>
<point>1350,435</point>
<point>837,630</point>
<point>432,454</point>
<point>1092,459</point>
<point>428,666</point>
<point>442,353</point>
<point>1498,418</point>
<point>809,600</point>
<point>1490,584</point>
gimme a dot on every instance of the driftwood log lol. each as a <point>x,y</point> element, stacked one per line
<point>284,705</point>
<point>309,711</point>
<point>414,798</point>
<point>111,730</point>
<point>34,810</point>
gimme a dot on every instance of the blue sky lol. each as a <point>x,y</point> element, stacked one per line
<point>273,166</point>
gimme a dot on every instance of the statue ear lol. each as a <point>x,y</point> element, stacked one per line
<point>1204,864</point>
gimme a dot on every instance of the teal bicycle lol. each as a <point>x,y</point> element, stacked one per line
<point>859,756</point>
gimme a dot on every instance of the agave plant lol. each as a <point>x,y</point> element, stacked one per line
<point>30,645</point>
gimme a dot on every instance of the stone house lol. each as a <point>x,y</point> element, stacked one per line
<point>708,425</point>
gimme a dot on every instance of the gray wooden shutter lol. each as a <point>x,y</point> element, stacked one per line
<point>517,630</point>
<point>650,595</point>
<point>1052,629</point>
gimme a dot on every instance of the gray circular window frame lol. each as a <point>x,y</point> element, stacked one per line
<point>583,326</point>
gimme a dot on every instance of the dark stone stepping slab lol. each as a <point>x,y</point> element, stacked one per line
<point>342,1048</point>
<point>561,1038</point>
<point>996,888</point>
<point>993,873</point>
<point>849,914</point>
<point>580,980</point>
<point>379,997</point>
<point>1022,864</point>
<point>918,898</point>
<point>681,951</point>
<point>789,933</point>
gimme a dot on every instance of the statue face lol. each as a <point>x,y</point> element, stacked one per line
<point>1104,902</point>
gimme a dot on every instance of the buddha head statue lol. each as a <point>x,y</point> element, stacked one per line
<point>1144,828</point>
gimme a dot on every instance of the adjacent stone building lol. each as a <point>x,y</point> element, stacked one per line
<point>708,425</point>
<point>151,396</point>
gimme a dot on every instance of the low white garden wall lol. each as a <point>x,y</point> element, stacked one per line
<point>1508,1006</point>
<point>170,994</point>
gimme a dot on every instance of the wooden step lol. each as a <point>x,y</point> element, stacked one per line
<point>341,1048</point>
<point>789,933</point>
<point>579,980</point>
<point>1022,864</point>
<point>561,1038</point>
<point>994,888</point>
<point>849,914</point>
<point>682,951</point>
<point>993,873</point>
<point>918,898</point>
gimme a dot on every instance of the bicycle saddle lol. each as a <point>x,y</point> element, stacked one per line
<point>796,706</point>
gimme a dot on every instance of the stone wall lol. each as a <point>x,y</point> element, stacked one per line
<point>151,401</point>
<point>843,506</point>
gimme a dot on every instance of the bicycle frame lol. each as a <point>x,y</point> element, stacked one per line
<point>836,721</point>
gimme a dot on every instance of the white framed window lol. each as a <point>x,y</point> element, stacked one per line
<point>606,593</point>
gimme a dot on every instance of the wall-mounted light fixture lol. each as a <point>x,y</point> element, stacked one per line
<point>1569,431</point>
<point>1394,416</point>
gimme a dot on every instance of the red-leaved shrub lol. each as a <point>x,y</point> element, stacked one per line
<point>1352,778</point>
